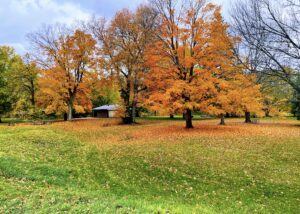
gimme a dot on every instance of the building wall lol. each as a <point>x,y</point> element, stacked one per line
<point>111,114</point>
<point>104,114</point>
<point>101,114</point>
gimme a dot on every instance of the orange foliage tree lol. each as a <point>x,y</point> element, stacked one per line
<point>67,59</point>
<point>123,42</point>
<point>53,95</point>
<point>193,64</point>
<point>237,92</point>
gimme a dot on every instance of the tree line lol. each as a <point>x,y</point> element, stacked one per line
<point>168,56</point>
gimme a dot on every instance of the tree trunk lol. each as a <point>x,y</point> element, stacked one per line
<point>133,112</point>
<point>128,115</point>
<point>134,102</point>
<point>126,96</point>
<point>70,108</point>
<point>33,99</point>
<point>65,116</point>
<point>248,117</point>
<point>188,119</point>
<point>171,116</point>
<point>297,112</point>
<point>70,111</point>
<point>222,122</point>
<point>0,120</point>
<point>32,92</point>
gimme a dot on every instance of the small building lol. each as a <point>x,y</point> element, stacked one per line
<point>106,111</point>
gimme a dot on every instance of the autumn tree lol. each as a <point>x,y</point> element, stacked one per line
<point>237,92</point>
<point>67,58</point>
<point>122,45</point>
<point>53,95</point>
<point>181,36</point>
<point>193,61</point>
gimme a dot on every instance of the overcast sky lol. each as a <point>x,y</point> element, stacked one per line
<point>20,17</point>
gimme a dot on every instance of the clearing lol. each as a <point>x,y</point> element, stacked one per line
<point>155,167</point>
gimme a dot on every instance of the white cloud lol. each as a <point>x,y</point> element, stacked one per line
<point>20,17</point>
<point>49,11</point>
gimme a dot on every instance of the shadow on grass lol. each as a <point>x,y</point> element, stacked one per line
<point>176,118</point>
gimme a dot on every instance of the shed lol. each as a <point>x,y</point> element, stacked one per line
<point>106,111</point>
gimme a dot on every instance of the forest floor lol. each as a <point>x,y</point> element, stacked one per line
<point>156,166</point>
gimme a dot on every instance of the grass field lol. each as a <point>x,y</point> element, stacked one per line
<point>154,167</point>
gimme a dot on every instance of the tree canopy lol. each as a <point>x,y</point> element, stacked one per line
<point>168,56</point>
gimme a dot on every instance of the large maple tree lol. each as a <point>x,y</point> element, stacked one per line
<point>192,61</point>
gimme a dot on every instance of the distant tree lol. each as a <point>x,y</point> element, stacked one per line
<point>22,85</point>
<point>9,60</point>
<point>104,89</point>
<point>67,58</point>
<point>277,96</point>
<point>296,103</point>
<point>104,93</point>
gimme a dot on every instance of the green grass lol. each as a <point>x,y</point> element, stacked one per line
<point>19,120</point>
<point>12,120</point>
<point>52,169</point>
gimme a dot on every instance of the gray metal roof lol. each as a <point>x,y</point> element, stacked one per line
<point>107,107</point>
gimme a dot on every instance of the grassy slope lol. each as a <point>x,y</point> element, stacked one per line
<point>85,168</point>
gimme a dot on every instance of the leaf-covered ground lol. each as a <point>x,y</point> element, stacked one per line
<point>154,167</point>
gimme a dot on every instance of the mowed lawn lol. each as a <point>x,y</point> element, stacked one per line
<point>155,167</point>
